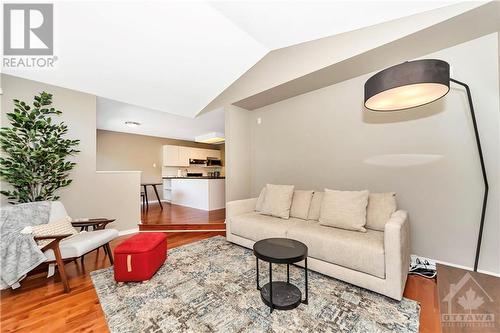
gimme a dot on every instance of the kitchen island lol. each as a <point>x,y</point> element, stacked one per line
<point>206,193</point>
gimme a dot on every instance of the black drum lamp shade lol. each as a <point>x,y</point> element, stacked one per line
<point>415,83</point>
<point>407,85</point>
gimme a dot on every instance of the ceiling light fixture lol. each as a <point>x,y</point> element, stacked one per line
<point>132,123</point>
<point>212,137</point>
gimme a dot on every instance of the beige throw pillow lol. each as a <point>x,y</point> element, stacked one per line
<point>62,227</point>
<point>380,208</point>
<point>260,200</point>
<point>301,201</point>
<point>344,209</point>
<point>278,200</point>
<point>315,207</point>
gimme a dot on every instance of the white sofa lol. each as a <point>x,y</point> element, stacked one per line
<point>375,260</point>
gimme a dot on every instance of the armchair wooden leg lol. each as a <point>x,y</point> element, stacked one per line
<point>110,253</point>
<point>60,267</point>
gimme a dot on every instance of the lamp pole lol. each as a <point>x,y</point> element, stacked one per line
<point>483,170</point>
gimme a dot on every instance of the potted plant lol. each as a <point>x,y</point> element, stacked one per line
<point>35,151</point>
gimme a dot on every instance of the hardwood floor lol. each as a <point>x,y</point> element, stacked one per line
<point>474,297</point>
<point>40,305</point>
<point>424,291</point>
<point>178,218</point>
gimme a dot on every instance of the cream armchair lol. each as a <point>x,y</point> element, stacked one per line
<point>60,250</point>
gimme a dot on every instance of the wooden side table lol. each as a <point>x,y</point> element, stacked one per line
<point>95,223</point>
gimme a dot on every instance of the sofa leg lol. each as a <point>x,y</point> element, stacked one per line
<point>60,267</point>
<point>109,252</point>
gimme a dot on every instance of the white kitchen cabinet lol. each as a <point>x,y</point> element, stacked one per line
<point>212,153</point>
<point>170,155</point>
<point>167,190</point>
<point>205,194</point>
<point>184,155</point>
<point>180,155</point>
<point>175,155</point>
<point>198,154</point>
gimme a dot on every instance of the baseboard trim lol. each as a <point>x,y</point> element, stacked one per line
<point>128,232</point>
<point>172,231</point>
<point>457,266</point>
<point>156,201</point>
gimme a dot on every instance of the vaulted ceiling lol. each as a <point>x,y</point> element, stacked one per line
<point>177,57</point>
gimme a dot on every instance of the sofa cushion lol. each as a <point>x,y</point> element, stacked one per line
<point>256,226</point>
<point>301,201</point>
<point>315,207</point>
<point>380,208</point>
<point>260,200</point>
<point>344,209</point>
<point>82,243</point>
<point>278,200</point>
<point>363,252</point>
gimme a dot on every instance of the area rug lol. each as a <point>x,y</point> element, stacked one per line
<point>209,286</point>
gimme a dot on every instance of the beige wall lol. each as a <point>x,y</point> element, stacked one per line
<point>124,151</point>
<point>92,194</point>
<point>238,144</point>
<point>427,155</point>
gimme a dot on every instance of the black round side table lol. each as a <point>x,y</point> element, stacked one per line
<point>281,295</point>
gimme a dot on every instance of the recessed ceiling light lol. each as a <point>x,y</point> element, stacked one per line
<point>213,137</point>
<point>132,123</point>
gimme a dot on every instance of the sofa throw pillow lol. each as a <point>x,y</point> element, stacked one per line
<point>315,207</point>
<point>301,201</point>
<point>62,227</point>
<point>380,208</point>
<point>260,200</point>
<point>278,200</point>
<point>344,209</point>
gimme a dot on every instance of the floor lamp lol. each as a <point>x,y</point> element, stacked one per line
<point>416,83</point>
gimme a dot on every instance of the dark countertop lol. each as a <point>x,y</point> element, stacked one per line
<point>204,177</point>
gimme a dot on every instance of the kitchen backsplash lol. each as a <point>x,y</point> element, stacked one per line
<point>172,171</point>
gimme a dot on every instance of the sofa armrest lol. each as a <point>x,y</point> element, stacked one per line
<point>238,207</point>
<point>397,252</point>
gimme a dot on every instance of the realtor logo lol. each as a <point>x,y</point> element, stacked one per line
<point>464,304</point>
<point>28,29</point>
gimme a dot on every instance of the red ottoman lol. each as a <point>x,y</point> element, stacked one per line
<point>139,257</point>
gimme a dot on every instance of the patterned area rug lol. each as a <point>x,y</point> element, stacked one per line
<point>209,286</point>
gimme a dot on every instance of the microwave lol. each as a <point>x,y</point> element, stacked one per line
<point>197,161</point>
<point>213,161</point>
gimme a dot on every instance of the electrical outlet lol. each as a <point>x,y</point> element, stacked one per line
<point>259,120</point>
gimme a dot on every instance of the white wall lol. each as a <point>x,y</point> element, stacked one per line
<point>325,139</point>
<point>91,194</point>
<point>238,172</point>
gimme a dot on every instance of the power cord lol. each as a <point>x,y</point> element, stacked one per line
<point>422,268</point>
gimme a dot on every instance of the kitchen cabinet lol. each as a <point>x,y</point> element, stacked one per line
<point>212,153</point>
<point>184,155</point>
<point>179,155</point>
<point>175,156</point>
<point>206,194</point>
<point>167,190</point>
<point>198,153</point>
<point>170,155</point>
